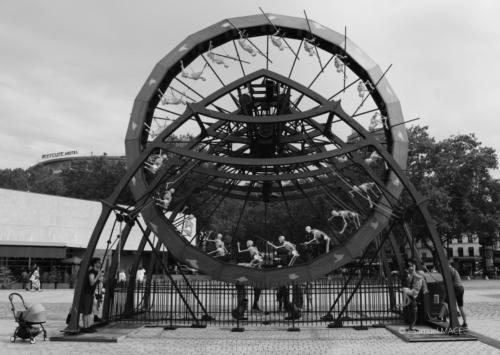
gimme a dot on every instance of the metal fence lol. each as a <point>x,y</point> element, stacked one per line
<point>369,302</point>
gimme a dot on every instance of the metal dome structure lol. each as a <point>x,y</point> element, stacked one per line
<point>273,110</point>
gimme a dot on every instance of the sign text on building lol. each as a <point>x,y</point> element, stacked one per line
<point>59,154</point>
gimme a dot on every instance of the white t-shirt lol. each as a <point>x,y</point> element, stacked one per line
<point>122,277</point>
<point>140,275</point>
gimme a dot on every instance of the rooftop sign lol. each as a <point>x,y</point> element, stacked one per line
<point>59,154</point>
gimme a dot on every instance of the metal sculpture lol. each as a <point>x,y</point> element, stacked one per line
<point>266,135</point>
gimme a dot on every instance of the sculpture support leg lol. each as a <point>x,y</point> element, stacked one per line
<point>84,266</point>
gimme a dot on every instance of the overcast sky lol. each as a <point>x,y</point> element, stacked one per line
<point>69,71</point>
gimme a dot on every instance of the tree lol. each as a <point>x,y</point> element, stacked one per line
<point>43,180</point>
<point>454,175</point>
<point>95,179</point>
<point>15,179</point>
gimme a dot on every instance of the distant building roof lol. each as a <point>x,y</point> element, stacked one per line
<point>63,158</point>
<point>43,220</point>
<point>32,219</point>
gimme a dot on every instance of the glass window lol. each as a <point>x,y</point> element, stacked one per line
<point>470,239</point>
<point>471,251</point>
<point>460,251</point>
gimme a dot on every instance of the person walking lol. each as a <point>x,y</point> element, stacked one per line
<point>35,279</point>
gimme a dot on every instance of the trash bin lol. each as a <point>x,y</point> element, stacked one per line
<point>432,300</point>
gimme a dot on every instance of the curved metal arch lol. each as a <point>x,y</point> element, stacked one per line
<point>269,177</point>
<point>326,108</point>
<point>307,185</point>
<point>205,157</point>
<point>258,74</point>
<point>238,196</point>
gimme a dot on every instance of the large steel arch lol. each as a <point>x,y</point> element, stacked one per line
<point>258,130</point>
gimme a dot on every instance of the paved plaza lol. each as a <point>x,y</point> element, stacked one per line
<point>482,305</point>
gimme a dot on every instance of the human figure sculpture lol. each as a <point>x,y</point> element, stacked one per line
<point>256,259</point>
<point>290,247</point>
<point>164,202</point>
<point>276,40</point>
<point>374,156</point>
<point>375,121</point>
<point>346,216</point>
<point>342,159</point>
<point>173,100</point>
<point>339,66</point>
<point>310,46</point>
<point>217,59</point>
<point>220,247</point>
<point>318,237</point>
<point>246,45</point>
<point>364,190</point>
<point>364,87</point>
<point>157,162</point>
<point>193,75</point>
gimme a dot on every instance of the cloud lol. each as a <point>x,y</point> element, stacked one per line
<point>71,71</point>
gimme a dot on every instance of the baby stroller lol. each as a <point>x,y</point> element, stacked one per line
<point>28,320</point>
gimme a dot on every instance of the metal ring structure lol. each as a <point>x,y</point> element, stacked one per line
<point>289,167</point>
<point>280,136</point>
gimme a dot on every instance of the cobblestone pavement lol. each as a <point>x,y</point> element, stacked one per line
<point>482,305</point>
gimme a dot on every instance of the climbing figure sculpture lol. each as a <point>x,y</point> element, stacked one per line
<point>290,247</point>
<point>164,202</point>
<point>246,45</point>
<point>372,159</point>
<point>193,75</point>
<point>216,58</point>
<point>220,247</point>
<point>375,121</point>
<point>256,259</point>
<point>310,46</point>
<point>155,162</point>
<point>318,237</point>
<point>172,99</point>
<point>364,88</point>
<point>364,190</point>
<point>339,65</point>
<point>276,40</point>
<point>346,216</point>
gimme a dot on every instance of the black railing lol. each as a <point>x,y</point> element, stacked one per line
<point>374,302</point>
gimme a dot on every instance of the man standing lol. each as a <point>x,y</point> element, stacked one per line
<point>411,293</point>
<point>459,294</point>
